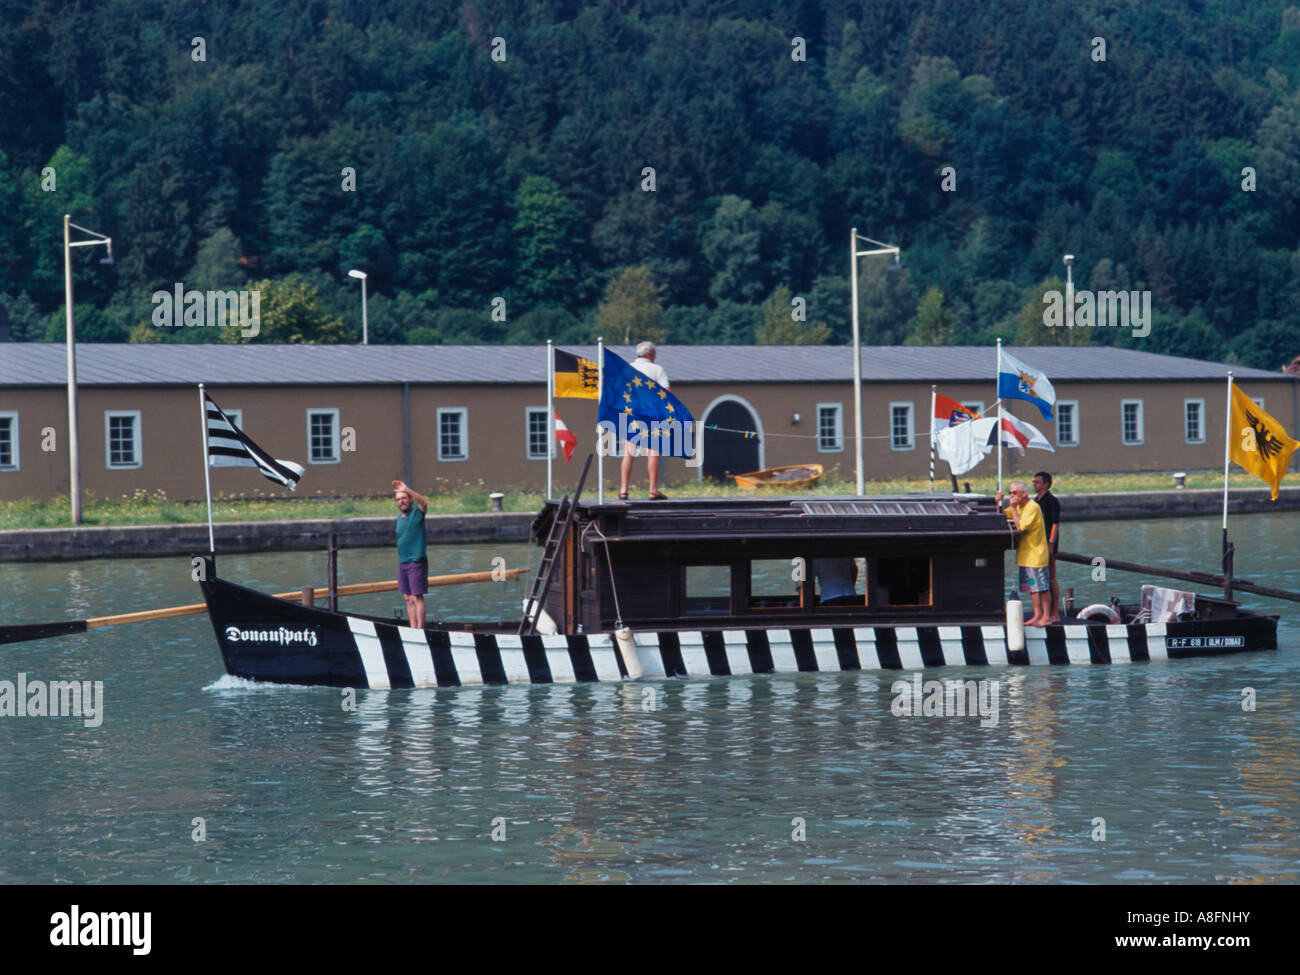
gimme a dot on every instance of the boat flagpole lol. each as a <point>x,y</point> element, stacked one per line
<point>932,439</point>
<point>600,393</point>
<point>1227,434</point>
<point>207,470</point>
<point>998,440</point>
<point>550,414</point>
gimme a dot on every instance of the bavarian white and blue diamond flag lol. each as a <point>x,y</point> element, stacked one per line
<point>228,446</point>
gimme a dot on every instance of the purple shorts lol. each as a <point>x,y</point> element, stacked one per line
<point>413,578</point>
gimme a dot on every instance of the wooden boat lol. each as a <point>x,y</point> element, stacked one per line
<point>719,586</point>
<point>798,475</point>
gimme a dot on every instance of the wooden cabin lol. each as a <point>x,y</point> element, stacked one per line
<point>756,562</point>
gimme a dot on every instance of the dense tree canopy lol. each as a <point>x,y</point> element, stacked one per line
<point>466,154</point>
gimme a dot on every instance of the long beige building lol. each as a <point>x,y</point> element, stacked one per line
<point>444,417</point>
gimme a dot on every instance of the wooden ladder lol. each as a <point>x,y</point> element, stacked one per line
<point>546,568</point>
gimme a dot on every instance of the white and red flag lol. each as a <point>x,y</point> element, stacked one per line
<point>565,437</point>
<point>1019,434</point>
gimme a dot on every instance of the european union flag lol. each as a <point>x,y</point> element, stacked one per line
<point>642,411</point>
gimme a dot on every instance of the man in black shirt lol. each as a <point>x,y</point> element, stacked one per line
<point>1052,523</point>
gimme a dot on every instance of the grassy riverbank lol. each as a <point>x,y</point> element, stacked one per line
<point>144,508</point>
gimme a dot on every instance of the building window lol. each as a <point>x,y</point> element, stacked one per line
<point>901,427</point>
<point>1194,420</point>
<point>1067,423</point>
<point>8,441</point>
<point>122,439</point>
<point>322,436</point>
<point>453,437</point>
<point>1131,413</point>
<point>830,428</point>
<point>537,427</point>
<point>975,406</point>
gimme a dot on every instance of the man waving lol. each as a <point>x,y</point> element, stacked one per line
<point>412,557</point>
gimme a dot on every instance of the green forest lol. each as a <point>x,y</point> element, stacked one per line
<point>508,172</point>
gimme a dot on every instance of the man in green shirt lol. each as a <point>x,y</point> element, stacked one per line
<point>412,558</point>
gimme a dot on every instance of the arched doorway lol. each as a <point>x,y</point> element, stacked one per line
<point>727,452</point>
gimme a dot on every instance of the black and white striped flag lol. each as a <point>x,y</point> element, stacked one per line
<point>229,447</point>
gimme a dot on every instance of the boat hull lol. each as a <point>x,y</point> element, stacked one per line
<point>267,639</point>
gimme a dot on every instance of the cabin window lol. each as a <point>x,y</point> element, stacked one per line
<point>8,441</point>
<point>122,439</point>
<point>1194,413</point>
<point>830,428</point>
<point>901,427</point>
<point>453,435</point>
<point>322,436</point>
<point>537,429</point>
<point>840,581</point>
<point>1067,423</point>
<point>903,581</point>
<point>775,583</point>
<point>1131,421</point>
<point>706,590</point>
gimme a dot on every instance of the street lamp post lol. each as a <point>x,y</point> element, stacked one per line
<point>876,249</point>
<point>74,461</point>
<point>1068,260</point>
<point>365,326</point>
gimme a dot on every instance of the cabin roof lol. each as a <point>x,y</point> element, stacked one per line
<point>810,517</point>
<point>222,364</point>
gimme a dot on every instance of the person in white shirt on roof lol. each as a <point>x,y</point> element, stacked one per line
<point>646,365</point>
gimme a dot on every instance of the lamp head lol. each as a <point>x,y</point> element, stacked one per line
<point>359,275</point>
<point>109,258</point>
<point>1068,259</point>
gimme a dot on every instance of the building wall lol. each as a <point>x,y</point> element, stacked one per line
<point>276,418</point>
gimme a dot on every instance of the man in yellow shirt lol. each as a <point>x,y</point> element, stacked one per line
<point>1031,552</point>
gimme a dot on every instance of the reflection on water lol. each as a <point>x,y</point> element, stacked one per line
<point>805,777</point>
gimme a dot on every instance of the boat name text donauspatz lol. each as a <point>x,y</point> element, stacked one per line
<point>281,635</point>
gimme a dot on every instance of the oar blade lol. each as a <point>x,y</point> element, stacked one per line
<point>40,631</point>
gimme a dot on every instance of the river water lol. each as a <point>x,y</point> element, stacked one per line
<point>1143,773</point>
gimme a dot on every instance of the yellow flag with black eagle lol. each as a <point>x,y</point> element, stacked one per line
<point>575,377</point>
<point>1258,442</point>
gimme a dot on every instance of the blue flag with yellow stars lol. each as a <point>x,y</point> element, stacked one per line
<point>641,411</point>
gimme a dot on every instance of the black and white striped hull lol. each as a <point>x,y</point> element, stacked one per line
<point>265,639</point>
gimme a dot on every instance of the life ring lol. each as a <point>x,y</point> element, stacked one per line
<point>1099,612</point>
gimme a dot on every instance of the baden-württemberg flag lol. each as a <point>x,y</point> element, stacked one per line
<point>1258,442</point>
<point>635,404</point>
<point>1017,381</point>
<point>229,447</point>
<point>575,378</point>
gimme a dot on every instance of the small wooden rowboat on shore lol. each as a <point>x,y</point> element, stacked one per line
<point>797,475</point>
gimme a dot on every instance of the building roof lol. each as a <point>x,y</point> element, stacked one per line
<point>219,364</point>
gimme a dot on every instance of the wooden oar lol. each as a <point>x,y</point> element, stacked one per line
<point>39,631</point>
<point>1203,578</point>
